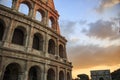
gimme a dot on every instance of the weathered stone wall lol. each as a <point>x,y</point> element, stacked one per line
<point>24,57</point>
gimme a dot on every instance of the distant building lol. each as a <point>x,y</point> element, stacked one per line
<point>100,75</point>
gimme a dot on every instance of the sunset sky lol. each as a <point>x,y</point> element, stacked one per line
<point>92,30</point>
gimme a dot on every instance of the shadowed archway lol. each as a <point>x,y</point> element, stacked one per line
<point>34,73</point>
<point>12,72</point>
<point>51,74</point>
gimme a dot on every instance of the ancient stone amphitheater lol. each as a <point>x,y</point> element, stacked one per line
<point>31,47</point>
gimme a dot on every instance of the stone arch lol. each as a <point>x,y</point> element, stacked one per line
<point>40,14</point>
<point>61,51</point>
<point>38,41</point>
<point>51,74</point>
<point>61,75</point>
<point>34,73</point>
<point>25,7</point>
<point>7,3</point>
<point>51,22</point>
<point>101,78</point>
<point>2,29</point>
<point>68,76</point>
<point>51,47</point>
<point>19,36</point>
<point>12,72</point>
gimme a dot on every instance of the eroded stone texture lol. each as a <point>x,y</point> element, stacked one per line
<point>32,49</point>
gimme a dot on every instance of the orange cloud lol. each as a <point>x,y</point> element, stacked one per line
<point>107,4</point>
<point>91,56</point>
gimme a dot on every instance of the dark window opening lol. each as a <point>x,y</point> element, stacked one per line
<point>61,75</point>
<point>50,74</point>
<point>68,76</point>
<point>33,74</point>
<point>61,51</point>
<point>18,37</point>
<point>1,31</point>
<point>38,42</point>
<point>12,72</point>
<point>51,47</point>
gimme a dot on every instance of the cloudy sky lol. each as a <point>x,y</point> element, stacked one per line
<point>92,30</point>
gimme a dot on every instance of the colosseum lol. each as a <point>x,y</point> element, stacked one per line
<point>31,46</point>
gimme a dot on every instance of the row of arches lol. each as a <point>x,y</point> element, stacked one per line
<point>19,38</point>
<point>25,7</point>
<point>13,72</point>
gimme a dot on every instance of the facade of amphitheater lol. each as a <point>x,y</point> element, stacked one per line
<point>31,47</point>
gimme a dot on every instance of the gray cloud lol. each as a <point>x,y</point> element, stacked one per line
<point>67,27</point>
<point>102,29</point>
<point>91,56</point>
<point>82,22</point>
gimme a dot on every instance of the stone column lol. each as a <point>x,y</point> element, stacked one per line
<point>30,38</point>
<point>65,74</point>
<point>70,75</point>
<point>26,71</point>
<point>17,5</point>
<point>14,4</point>
<point>57,75</point>
<point>31,11</point>
<point>65,52</point>
<point>25,75</point>
<point>21,76</point>
<point>27,37</point>
<point>44,20</point>
<point>47,19</point>
<point>57,48</point>
<point>8,33</point>
<point>46,44</point>
<point>1,67</point>
<point>45,72</point>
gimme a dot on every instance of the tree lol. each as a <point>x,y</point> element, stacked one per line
<point>116,75</point>
<point>83,77</point>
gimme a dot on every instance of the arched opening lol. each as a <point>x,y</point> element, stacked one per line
<point>38,16</point>
<point>18,36</point>
<point>2,28</point>
<point>51,22</point>
<point>12,72</point>
<point>38,42</point>
<point>68,76</point>
<point>7,3</point>
<point>101,78</point>
<point>61,51</point>
<point>24,9</point>
<point>61,75</point>
<point>34,73</point>
<point>50,74</point>
<point>51,47</point>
